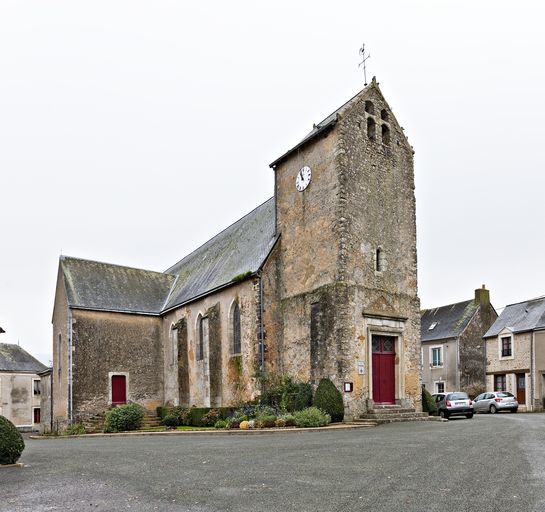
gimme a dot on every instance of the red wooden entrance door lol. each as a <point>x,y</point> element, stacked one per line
<point>119,390</point>
<point>521,388</point>
<point>383,369</point>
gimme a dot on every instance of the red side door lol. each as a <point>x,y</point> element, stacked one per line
<point>383,369</point>
<point>119,390</point>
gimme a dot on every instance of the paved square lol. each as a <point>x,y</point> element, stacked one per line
<point>485,464</point>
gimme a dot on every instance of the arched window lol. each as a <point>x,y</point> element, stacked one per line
<point>384,114</point>
<point>385,135</point>
<point>371,128</point>
<point>200,338</point>
<point>235,319</point>
<point>369,107</point>
<point>379,260</point>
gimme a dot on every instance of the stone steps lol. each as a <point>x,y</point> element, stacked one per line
<point>393,414</point>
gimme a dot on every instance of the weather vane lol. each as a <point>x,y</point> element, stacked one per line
<point>362,63</point>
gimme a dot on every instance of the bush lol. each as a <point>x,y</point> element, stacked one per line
<point>289,419</point>
<point>284,394</point>
<point>233,422</point>
<point>77,429</point>
<point>303,397</point>
<point>170,420</point>
<point>280,422</point>
<point>265,421</point>
<point>220,424</point>
<point>330,400</point>
<point>428,404</point>
<point>311,417</point>
<point>210,418</point>
<point>124,417</point>
<point>244,425</point>
<point>11,442</point>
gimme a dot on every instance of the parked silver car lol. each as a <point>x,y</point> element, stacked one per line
<point>453,404</point>
<point>495,401</point>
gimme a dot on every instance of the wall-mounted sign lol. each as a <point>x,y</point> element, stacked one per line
<point>361,367</point>
<point>348,387</point>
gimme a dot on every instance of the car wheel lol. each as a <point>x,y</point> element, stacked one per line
<point>443,414</point>
<point>469,416</point>
<point>493,409</point>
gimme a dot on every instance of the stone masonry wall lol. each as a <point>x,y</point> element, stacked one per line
<point>107,343</point>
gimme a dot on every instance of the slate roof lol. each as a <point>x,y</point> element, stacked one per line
<point>14,359</point>
<point>103,286</point>
<point>521,317</point>
<point>237,250</point>
<point>450,320</point>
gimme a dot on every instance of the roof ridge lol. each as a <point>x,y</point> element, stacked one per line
<point>63,257</point>
<point>447,305</point>
<point>218,234</point>
<point>541,297</point>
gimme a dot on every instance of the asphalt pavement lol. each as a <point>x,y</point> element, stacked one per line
<point>488,463</point>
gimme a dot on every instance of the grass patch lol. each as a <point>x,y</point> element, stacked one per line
<point>185,427</point>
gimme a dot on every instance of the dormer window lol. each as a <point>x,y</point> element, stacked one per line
<point>432,326</point>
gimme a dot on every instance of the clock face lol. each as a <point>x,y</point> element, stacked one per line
<point>303,178</point>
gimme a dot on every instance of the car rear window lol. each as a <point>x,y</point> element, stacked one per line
<point>458,396</point>
<point>505,394</point>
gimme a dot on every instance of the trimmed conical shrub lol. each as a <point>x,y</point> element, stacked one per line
<point>11,442</point>
<point>330,400</point>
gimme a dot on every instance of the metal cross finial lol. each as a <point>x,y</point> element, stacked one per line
<point>362,63</point>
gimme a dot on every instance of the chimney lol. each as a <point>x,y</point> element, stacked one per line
<point>482,296</point>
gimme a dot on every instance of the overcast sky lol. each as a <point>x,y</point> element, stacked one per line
<point>131,132</point>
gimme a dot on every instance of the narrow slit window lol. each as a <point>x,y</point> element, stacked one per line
<point>371,128</point>
<point>385,135</point>
<point>237,348</point>
<point>369,107</point>
<point>384,114</point>
<point>379,264</point>
<point>200,339</point>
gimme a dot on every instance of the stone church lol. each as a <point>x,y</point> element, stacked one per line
<point>318,281</point>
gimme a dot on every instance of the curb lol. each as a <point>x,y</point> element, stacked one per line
<point>235,432</point>
<point>16,465</point>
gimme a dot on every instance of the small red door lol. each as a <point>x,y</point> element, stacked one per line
<point>521,388</point>
<point>383,369</point>
<point>119,390</point>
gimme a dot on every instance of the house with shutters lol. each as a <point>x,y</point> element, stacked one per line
<point>515,353</point>
<point>453,350</point>
<point>318,281</point>
<point>20,388</point>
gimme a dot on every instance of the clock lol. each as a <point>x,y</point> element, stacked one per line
<point>303,178</point>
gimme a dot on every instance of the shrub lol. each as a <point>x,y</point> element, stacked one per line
<point>428,404</point>
<point>11,442</point>
<point>233,423</point>
<point>267,421</point>
<point>329,399</point>
<point>77,429</point>
<point>244,425</point>
<point>170,420</point>
<point>280,422</point>
<point>289,419</point>
<point>210,418</point>
<point>124,417</point>
<point>311,417</point>
<point>303,397</point>
<point>220,424</point>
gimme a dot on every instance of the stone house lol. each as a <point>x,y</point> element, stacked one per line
<point>453,351</point>
<point>20,387</point>
<point>318,281</point>
<point>515,353</point>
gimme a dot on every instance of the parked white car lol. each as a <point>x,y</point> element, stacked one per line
<point>495,401</point>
